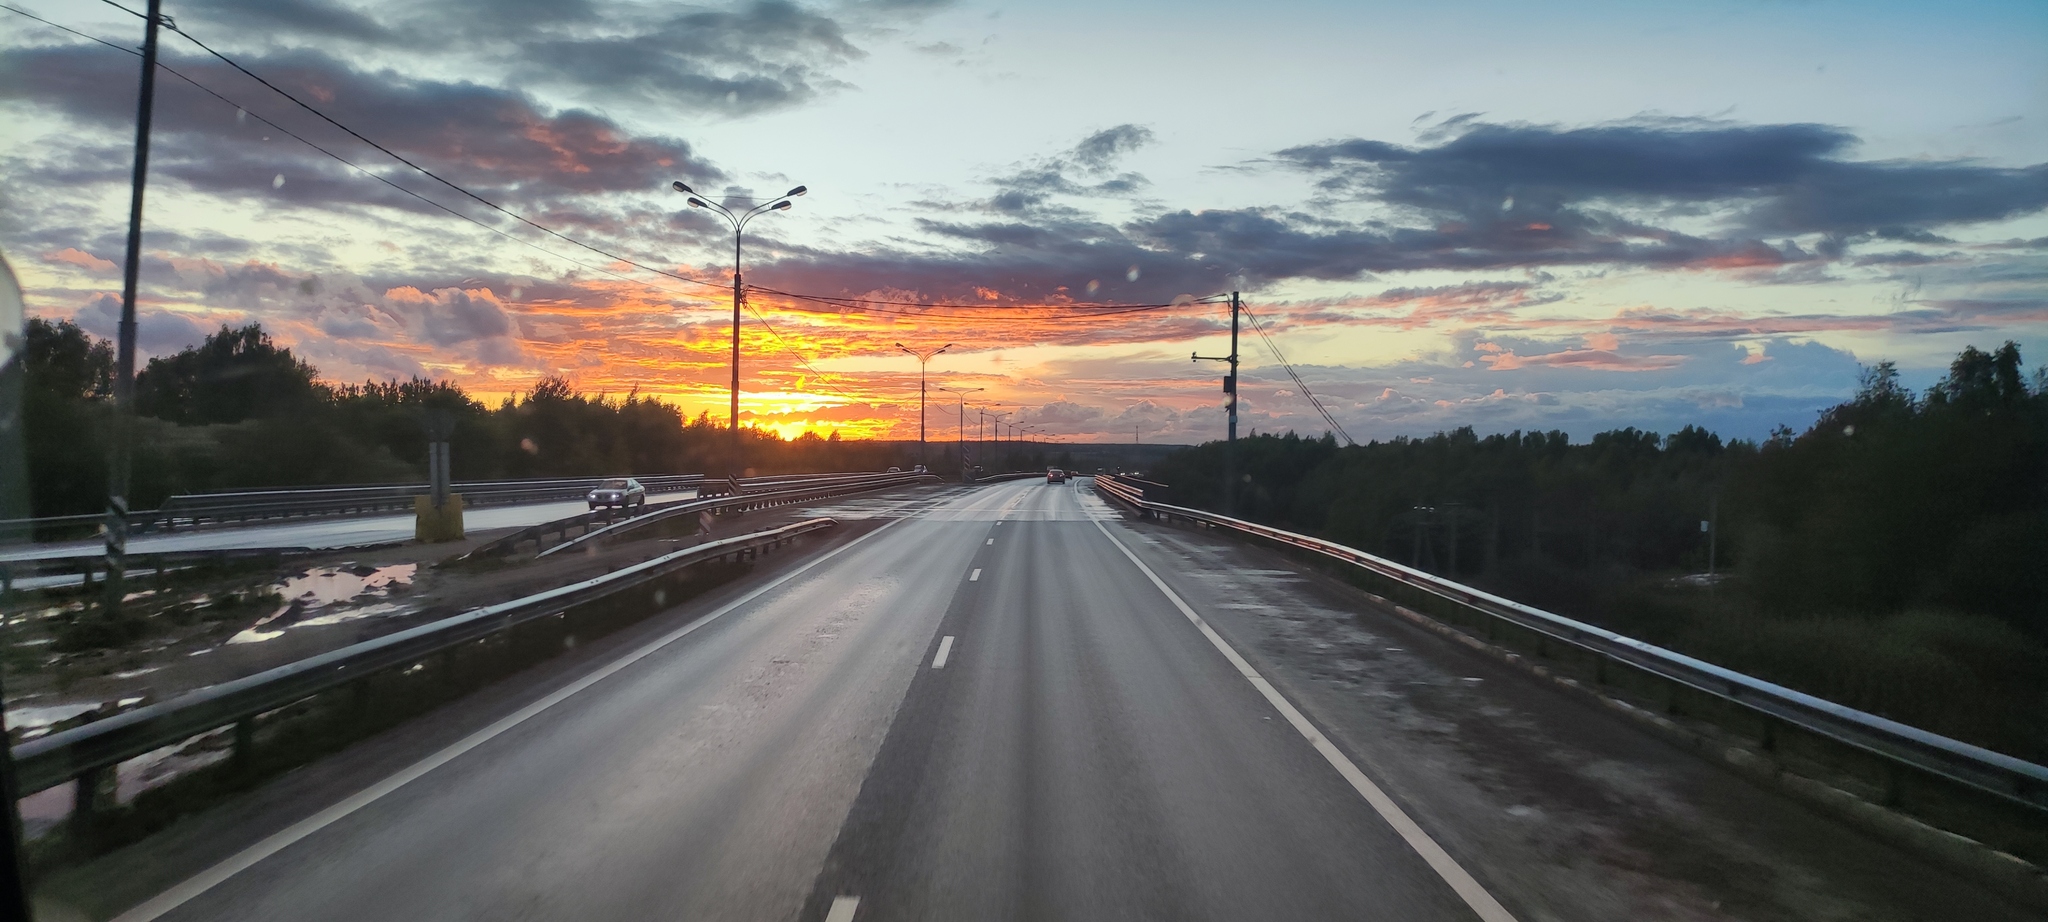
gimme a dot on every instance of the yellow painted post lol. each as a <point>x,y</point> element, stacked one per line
<point>431,525</point>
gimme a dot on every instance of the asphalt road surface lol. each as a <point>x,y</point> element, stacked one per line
<point>1007,703</point>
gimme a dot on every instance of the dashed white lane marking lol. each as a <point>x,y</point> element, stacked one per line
<point>246,858</point>
<point>991,541</point>
<point>842,909</point>
<point>975,576</point>
<point>1446,867</point>
<point>945,650</point>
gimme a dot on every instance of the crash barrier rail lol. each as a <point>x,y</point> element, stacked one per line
<point>785,494</point>
<point>1945,782</point>
<point>198,509</point>
<point>772,491</point>
<point>90,751</point>
<point>140,566</point>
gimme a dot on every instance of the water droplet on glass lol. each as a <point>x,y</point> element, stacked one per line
<point>526,445</point>
<point>241,115</point>
<point>1133,274</point>
<point>1094,285</point>
<point>732,97</point>
<point>517,293</point>
<point>277,182</point>
<point>1508,204</point>
<point>1183,300</point>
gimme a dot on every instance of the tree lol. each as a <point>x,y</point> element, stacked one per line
<point>236,374</point>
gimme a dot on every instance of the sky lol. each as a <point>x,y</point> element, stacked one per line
<point>1580,215</point>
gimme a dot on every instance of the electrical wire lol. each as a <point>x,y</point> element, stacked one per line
<point>806,363</point>
<point>921,309</point>
<point>430,174</point>
<point>166,68</point>
<point>1302,385</point>
<point>1072,306</point>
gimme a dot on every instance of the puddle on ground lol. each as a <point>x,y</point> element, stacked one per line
<point>42,715</point>
<point>333,595</point>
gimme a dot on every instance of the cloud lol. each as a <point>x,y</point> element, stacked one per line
<point>83,260</point>
<point>156,332</point>
<point>498,142</point>
<point>1776,179</point>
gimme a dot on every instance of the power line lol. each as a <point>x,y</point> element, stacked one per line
<point>166,68</point>
<point>430,173</point>
<point>792,350</point>
<point>898,307</point>
<point>1093,308</point>
<point>1302,385</point>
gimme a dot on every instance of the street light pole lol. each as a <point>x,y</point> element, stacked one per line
<point>962,394</point>
<point>734,466</point>
<point>922,358</point>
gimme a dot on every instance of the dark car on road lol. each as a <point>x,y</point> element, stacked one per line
<point>1055,475</point>
<point>618,493</point>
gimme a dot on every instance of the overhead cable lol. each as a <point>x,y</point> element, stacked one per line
<point>1298,383</point>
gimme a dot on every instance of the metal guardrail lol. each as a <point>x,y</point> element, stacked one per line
<point>196,509</point>
<point>99,746</point>
<point>786,492</point>
<point>2014,780</point>
<point>86,566</point>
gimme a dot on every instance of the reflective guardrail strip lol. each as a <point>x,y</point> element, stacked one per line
<point>2013,780</point>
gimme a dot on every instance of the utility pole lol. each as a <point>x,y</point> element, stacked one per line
<point>922,359</point>
<point>1230,388</point>
<point>124,375</point>
<point>736,466</point>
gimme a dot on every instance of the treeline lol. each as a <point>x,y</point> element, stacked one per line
<point>1894,555</point>
<point>240,412</point>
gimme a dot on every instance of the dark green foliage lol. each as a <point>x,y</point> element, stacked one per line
<point>239,412</point>
<point>1894,556</point>
<point>236,374</point>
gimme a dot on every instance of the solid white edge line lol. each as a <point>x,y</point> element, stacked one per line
<point>1446,867</point>
<point>990,541</point>
<point>842,909</point>
<point>945,649</point>
<point>975,576</point>
<point>279,841</point>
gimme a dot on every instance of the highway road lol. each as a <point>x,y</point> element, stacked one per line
<point>318,532</point>
<point>1007,703</point>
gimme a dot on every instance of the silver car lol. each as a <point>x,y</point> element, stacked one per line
<point>618,493</point>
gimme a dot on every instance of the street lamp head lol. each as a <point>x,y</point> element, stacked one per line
<point>779,206</point>
<point>944,348</point>
<point>698,202</point>
<point>682,187</point>
<point>797,191</point>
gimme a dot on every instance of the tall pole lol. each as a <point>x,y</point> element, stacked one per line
<point>736,466</point>
<point>124,374</point>
<point>920,416</point>
<point>1230,388</point>
<point>1230,446</point>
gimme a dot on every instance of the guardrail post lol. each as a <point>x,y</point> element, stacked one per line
<point>94,794</point>
<point>243,755</point>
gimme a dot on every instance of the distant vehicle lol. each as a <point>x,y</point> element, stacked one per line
<point>893,470</point>
<point>618,493</point>
<point>919,470</point>
<point>1055,475</point>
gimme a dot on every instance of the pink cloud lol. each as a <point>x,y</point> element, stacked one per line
<point>80,258</point>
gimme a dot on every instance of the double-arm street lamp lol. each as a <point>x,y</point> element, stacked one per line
<point>962,394</point>
<point>739,225</point>
<point>922,358</point>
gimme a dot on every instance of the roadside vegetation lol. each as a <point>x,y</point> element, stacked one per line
<point>1892,557</point>
<point>239,412</point>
